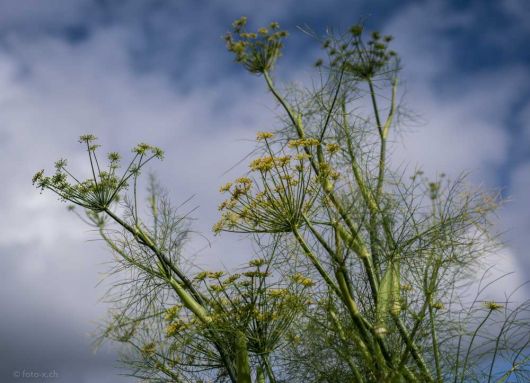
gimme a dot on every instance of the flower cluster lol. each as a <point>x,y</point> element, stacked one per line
<point>256,51</point>
<point>363,60</point>
<point>434,190</point>
<point>333,148</point>
<point>492,306</point>
<point>209,275</point>
<point>275,201</point>
<point>148,349</point>
<point>302,280</point>
<point>251,303</point>
<point>301,142</point>
<point>99,191</point>
<point>172,312</point>
<point>177,326</point>
<point>265,164</point>
<point>264,136</point>
<point>282,193</point>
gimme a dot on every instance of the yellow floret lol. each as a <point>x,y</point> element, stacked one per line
<point>264,135</point>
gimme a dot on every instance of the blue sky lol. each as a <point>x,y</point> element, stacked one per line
<point>157,71</point>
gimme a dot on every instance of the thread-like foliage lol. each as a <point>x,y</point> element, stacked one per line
<point>363,273</point>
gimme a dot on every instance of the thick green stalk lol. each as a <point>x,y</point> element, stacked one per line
<point>190,302</point>
<point>242,359</point>
<point>383,134</point>
<point>191,298</point>
<point>379,347</point>
<point>358,246</point>
<point>336,258</point>
<point>268,368</point>
<point>346,291</point>
<point>314,260</point>
<point>382,142</point>
<point>260,376</point>
<point>366,193</point>
<point>364,255</point>
<point>413,348</point>
<point>409,337</point>
<point>362,347</point>
<point>435,349</point>
<point>145,240</point>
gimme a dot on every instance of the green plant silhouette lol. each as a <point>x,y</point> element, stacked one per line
<point>362,271</point>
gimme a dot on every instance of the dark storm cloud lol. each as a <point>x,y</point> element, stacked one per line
<point>41,334</point>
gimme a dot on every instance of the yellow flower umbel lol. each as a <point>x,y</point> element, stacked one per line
<point>176,327</point>
<point>102,189</point>
<point>303,142</point>
<point>149,349</point>
<point>263,164</point>
<point>261,136</point>
<point>302,280</point>
<point>259,51</point>
<point>332,148</point>
<point>276,199</point>
<point>493,306</point>
<point>249,302</point>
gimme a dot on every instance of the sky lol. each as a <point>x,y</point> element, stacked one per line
<point>157,71</point>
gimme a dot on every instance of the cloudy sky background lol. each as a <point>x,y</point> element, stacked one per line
<point>157,71</point>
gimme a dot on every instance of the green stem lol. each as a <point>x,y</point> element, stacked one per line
<point>189,302</point>
<point>471,344</point>
<point>421,315</point>
<point>280,99</point>
<point>330,111</point>
<point>242,359</point>
<point>345,290</point>
<point>364,351</point>
<point>336,255</point>
<point>502,331</point>
<point>358,246</point>
<point>413,348</point>
<point>145,240</point>
<point>193,300</point>
<point>91,164</point>
<point>260,376</point>
<point>364,255</point>
<point>436,351</point>
<point>122,253</point>
<point>314,260</point>
<point>268,368</point>
<point>508,373</point>
<point>457,357</point>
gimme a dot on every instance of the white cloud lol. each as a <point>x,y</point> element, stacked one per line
<point>67,90</point>
<point>463,119</point>
<point>524,121</point>
<point>465,129</point>
<point>516,213</point>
